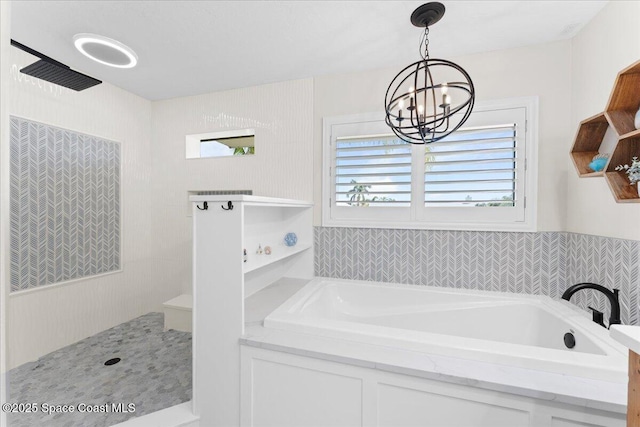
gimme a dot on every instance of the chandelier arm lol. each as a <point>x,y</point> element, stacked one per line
<point>463,105</point>
<point>414,98</point>
<point>391,105</point>
<point>429,83</point>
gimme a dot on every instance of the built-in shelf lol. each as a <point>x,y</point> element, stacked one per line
<point>227,292</point>
<point>618,117</point>
<point>262,303</point>
<point>258,261</point>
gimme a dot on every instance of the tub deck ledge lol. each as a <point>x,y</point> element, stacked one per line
<point>578,391</point>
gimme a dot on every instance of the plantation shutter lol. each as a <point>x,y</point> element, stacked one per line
<point>373,170</point>
<point>480,166</point>
<point>371,178</point>
<point>475,166</point>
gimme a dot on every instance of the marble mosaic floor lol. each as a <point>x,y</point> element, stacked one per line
<point>154,373</point>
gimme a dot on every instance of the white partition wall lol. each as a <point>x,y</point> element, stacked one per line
<point>223,277</point>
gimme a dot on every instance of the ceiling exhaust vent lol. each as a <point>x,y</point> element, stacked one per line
<point>55,72</point>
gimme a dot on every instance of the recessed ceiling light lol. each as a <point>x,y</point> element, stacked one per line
<point>105,50</point>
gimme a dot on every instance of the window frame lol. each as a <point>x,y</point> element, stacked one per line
<point>416,216</point>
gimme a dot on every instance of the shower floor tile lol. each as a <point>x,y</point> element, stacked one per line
<point>154,373</point>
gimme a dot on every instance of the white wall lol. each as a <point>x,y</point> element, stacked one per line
<point>51,317</point>
<point>5,21</point>
<point>609,43</point>
<point>542,70</point>
<point>281,115</point>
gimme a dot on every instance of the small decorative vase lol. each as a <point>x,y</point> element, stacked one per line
<point>636,122</point>
<point>290,239</point>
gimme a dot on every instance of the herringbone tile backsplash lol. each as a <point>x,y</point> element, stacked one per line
<point>64,205</point>
<point>543,263</point>
<point>614,263</point>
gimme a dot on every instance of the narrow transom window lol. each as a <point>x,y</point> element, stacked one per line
<point>227,143</point>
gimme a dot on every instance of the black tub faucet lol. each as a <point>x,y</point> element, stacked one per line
<point>612,295</point>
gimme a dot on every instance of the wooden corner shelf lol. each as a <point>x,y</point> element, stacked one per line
<point>624,99</point>
<point>618,116</point>
<point>627,147</point>
<point>630,135</point>
<point>588,139</point>
<point>622,190</point>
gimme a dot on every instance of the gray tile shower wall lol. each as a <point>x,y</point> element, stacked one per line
<point>64,205</point>
<point>532,263</point>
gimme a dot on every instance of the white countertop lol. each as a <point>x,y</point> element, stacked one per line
<point>627,335</point>
<point>584,392</point>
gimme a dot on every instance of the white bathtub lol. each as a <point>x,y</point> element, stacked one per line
<point>517,330</point>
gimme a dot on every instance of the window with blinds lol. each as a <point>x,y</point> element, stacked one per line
<point>371,178</point>
<point>474,167</point>
<point>372,170</point>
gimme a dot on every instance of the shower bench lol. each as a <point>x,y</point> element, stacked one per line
<point>177,313</point>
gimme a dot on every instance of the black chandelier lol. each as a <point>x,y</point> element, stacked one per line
<point>418,109</point>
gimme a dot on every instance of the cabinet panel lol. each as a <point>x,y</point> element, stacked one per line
<point>285,395</point>
<point>562,422</point>
<point>283,389</point>
<point>401,406</point>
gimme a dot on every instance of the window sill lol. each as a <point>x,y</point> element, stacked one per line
<point>529,227</point>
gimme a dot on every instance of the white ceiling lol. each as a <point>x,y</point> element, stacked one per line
<point>194,47</point>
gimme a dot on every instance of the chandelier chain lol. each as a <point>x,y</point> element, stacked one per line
<point>424,44</point>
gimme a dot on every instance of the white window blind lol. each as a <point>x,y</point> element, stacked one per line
<point>481,177</point>
<point>474,167</point>
<point>372,170</point>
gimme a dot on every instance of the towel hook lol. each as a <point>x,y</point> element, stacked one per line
<point>205,206</point>
<point>229,206</point>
